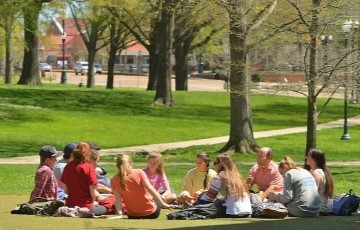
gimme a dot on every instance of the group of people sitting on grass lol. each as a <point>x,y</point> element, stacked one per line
<point>81,183</point>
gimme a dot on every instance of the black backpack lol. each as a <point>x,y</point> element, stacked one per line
<point>197,212</point>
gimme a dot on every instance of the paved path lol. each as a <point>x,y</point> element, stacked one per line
<point>353,121</point>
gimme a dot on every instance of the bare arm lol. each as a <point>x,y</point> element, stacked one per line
<point>271,188</point>
<point>66,190</point>
<point>146,184</point>
<point>249,184</point>
<point>318,177</point>
<point>118,201</point>
<point>93,192</point>
<point>102,188</point>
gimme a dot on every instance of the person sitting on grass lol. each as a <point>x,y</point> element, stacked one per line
<point>59,168</point>
<point>45,181</point>
<point>197,180</point>
<point>101,187</point>
<point>231,186</point>
<point>132,187</point>
<point>300,194</point>
<point>157,177</point>
<point>100,170</point>
<point>79,179</point>
<point>265,174</point>
<point>316,160</point>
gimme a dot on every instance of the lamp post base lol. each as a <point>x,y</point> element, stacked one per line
<point>345,136</point>
<point>63,77</point>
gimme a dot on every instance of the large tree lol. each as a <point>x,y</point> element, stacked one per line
<point>244,17</point>
<point>9,14</point>
<point>163,95</point>
<point>317,18</point>
<point>30,74</point>
<point>192,20</point>
<point>91,21</point>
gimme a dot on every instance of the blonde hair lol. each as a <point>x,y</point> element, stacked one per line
<point>158,156</point>
<point>230,176</point>
<point>123,164</point>
<point>82,153</point>
<point>288,163</point>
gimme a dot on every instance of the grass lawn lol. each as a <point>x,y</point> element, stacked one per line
<point>32,116</point>
<point>9,221</point>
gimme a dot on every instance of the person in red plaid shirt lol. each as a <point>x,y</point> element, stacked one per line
<point>45,181</point>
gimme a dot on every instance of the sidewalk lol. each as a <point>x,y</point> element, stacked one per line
<point>353,121</point>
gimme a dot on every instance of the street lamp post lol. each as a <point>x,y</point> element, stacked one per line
<point>139,66</point>
<point>354,79</point>
<point>346,29</point>
<point>325,41</point>
<point>63,39</point>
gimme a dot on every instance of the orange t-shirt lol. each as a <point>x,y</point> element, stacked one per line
<point>137,200</point>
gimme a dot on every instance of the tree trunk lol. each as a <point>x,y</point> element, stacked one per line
<point>163,95</point>
<point>153,67</point>
<point>311,136</point>
<point>181,66</point>
<point>30,74</point>
<point>91,58</point>
<point>112,57</point>
<point>241,137</point>
<point>9,49</point>
<point>154,53</point>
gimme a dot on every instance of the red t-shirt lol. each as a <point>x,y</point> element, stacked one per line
<point>78,177</point>
<point>137,200</point>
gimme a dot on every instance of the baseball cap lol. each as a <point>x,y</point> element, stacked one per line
<point>68,149</point>
<point>48,151</point>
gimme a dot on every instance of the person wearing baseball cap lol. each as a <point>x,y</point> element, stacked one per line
<point>45,181</point>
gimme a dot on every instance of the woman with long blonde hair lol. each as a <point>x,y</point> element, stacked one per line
<point>157,177</point>
<point>231,186</point>
<point>132,187</point>
<point>300,195</point>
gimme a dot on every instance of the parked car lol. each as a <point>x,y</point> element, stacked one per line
<point>44,67</point>
<point>81,67</point>
<point>98,68</point>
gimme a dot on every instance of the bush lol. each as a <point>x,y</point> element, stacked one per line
<point>255,77</point>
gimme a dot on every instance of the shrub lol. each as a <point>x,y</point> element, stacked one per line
<point>255,77</point>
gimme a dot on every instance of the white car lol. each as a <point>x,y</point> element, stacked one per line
<point>81,67</point>
<point>44,67</point>
<point>98,68</point>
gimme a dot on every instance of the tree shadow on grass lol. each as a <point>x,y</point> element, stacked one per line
<point>330,222</point>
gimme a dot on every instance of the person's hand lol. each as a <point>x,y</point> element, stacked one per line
<point>169,206</point>
<point>271,196</point>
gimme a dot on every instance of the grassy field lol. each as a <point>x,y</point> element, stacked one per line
<point>31,116</point>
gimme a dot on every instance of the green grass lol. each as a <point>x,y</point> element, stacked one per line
<point>55,114</point>
<point>8,221</point>
<point>31,116</point>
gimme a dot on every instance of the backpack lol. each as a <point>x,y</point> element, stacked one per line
<point>269,210</point>
<point>197,212</point>
<point>45,208</point>
<point>346,205</point>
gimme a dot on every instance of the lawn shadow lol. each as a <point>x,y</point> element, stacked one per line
<point>332,222</point>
